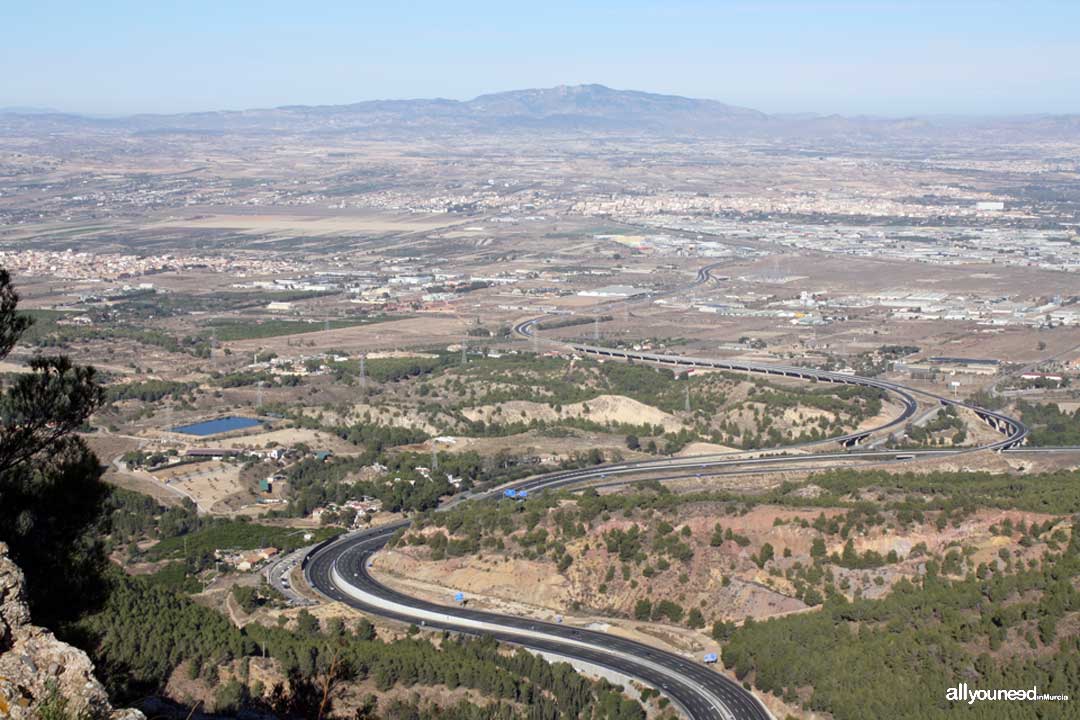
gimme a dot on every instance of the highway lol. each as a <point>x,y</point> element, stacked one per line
<point>339,570</point>
<point>277,576</point>
<point>1013,430</point>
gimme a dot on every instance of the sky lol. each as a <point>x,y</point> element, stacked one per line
<point>886,58</point>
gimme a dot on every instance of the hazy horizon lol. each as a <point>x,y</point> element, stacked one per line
<point>34,109</point>
<point>948,58</point>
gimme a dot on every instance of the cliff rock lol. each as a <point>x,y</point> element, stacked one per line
<point>36,668</point>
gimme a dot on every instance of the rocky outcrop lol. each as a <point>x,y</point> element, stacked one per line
<point>37,669</point>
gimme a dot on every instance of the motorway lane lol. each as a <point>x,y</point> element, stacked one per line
<point>277,576</point>
<point>708,466</point>
<point>1048,449</point>
<point>702,692</point>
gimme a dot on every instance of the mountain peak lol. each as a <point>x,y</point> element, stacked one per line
<point>600,105</point>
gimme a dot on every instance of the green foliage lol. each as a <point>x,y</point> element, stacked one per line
<point>849,558</point>
<point>313,483</point>
<point>571,321</point>
<point>947,419</point>
<point>148,390</point>
<point>377,437</point>
<point>672,546</point>
<point>385,370</point>
<point>47,333</point>
<point>722,631</point>
<point>764,555</point>
<point>624,543</point>
<point>175,576</point>
<point>244,378</point>
<point>246,597</point>
<point>1053,492</point>
<point>143,633</point>
<point>894,657</point>
<point>54,706</point>
<point>227,534</point>
<point>231,697</point>
<point>667,609</point>
<point>49,480</point>
<point>1049,424</point>
<point>988,400</point>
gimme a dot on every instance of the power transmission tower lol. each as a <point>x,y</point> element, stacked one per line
<point>434,459</point>
<point>464,347</point>
<point>596,328</point>
<point>363,373</point>
<point>687,388</point>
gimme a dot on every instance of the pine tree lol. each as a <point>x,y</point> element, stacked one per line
<point>50,488</point>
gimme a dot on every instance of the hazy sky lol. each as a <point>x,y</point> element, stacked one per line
<point>897,58</point>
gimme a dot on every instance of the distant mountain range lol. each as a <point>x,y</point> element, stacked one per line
<point>563,109</point>
<point>27,110</point>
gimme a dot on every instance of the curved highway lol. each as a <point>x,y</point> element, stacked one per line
<point>1013,430</point>
<point>339,569</point>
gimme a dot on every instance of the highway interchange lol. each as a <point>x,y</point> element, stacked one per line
<point>339,570</point>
